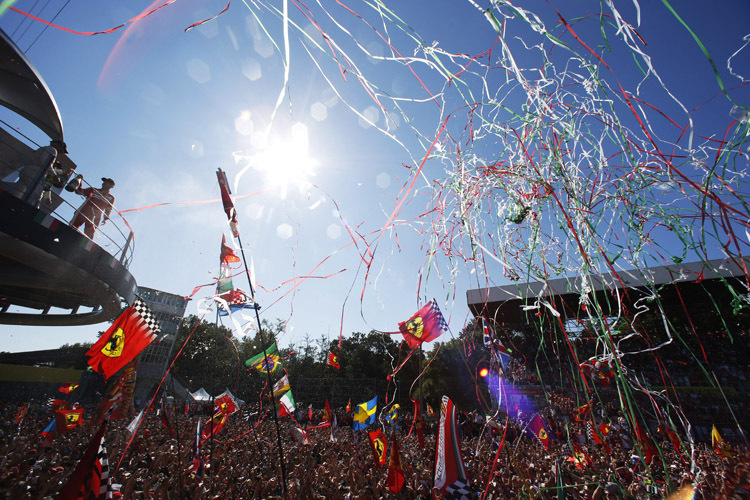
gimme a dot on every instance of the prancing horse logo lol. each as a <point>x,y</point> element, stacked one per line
<point>416,327</point>
<point>113,347</point>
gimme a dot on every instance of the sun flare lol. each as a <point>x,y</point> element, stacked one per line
<point>286,162</point>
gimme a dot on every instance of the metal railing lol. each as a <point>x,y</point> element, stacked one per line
<point>18,152</point>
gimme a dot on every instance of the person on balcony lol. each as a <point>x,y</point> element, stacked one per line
<point>98,202</point>
<point>31,177</point>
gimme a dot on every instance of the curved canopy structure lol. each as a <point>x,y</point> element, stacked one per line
<point>23,90</point>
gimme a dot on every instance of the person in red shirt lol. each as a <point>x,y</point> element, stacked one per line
<point>98,202</point>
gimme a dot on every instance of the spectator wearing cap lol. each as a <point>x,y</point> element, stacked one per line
<point>98,202</point>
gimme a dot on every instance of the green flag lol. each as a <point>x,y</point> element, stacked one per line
<point>266,363</point>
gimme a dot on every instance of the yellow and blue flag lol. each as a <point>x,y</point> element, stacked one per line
<point>365,414</point>
<point>392,417</point>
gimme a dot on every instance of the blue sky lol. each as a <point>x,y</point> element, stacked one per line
<point>159,109</point>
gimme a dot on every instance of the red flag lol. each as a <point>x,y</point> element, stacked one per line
<point>379,446</point>
<point>579,457</point>
<point>68,419</point>
<point>417,423</point>
<point>450,474</point>
<point>227,254</point>
<point>67,389</point>
<point>395,479</point>
<point>21,412</point>
<point>58,404</point>
<point>227,201</point>
<point>225,403</point>
<point>327,412</point>
<point>537,427</point>
<point>131,332</point>
<point>212,429</point>
<point>349,406</point>
<point>582,411</point>
<point>333,361</point>
<point>426,325</point>
<point>89,476</point>
<point>164,415</point>
<point>647,445</point>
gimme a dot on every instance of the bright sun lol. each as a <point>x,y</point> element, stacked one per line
<point>286,162</point>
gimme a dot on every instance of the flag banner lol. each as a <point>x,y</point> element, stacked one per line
<point>426,325</point>
<point>379,446</point>
<point>486,334</point>
<point>68,388</point>
<point>234,300</point>
<point>391,417</point>
<point>538,427</point>
<point>365,414</point>
<point>135,423</point>
<point>349,406</point>
<point>224,283</point>
<point>226,403</point>
<point>333,361</point>
<point>286,404</point>
<point>213,425</point>
<point>49,432</point>
<point>164,416</point>
<point>68,419</point>
<point>21,412</point>
<point>718,444</point>
<point>647,445</point>
<point>327,412</point>
<point>227,254</point>
<point>88,480</point>
<point>578,457</point>
<point>281,386</point>
<point>395,480</point>
<point>227,202</point>
<point>450,473</point>
<point>599,369</point>
<point>266,362</point>
<point>127,388</point>
<point>580,413</point>
<point>417,423</point>
<point>131,332</point>
<point>430,411</point>
<point>58,404</point>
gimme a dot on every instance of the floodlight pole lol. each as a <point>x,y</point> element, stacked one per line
<point>268,372</point>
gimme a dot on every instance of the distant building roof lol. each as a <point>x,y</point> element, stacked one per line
<point>508,303</point>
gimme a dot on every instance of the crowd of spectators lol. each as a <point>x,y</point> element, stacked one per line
<point>243,461</point>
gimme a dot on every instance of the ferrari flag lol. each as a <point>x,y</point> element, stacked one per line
<point>450,474</point>
<point>426,325</point>
<point>379,446</point>
<point>131,332</point>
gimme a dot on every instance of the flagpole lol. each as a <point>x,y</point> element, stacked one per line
<point>268,372</point>
<point>231,213</point>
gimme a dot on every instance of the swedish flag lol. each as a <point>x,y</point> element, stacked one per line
<point>365,414</point>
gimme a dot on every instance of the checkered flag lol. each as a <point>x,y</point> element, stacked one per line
<point>459,490</point>
<point>589,430</point>
<point>148,318</point>
<point>105,480</point>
